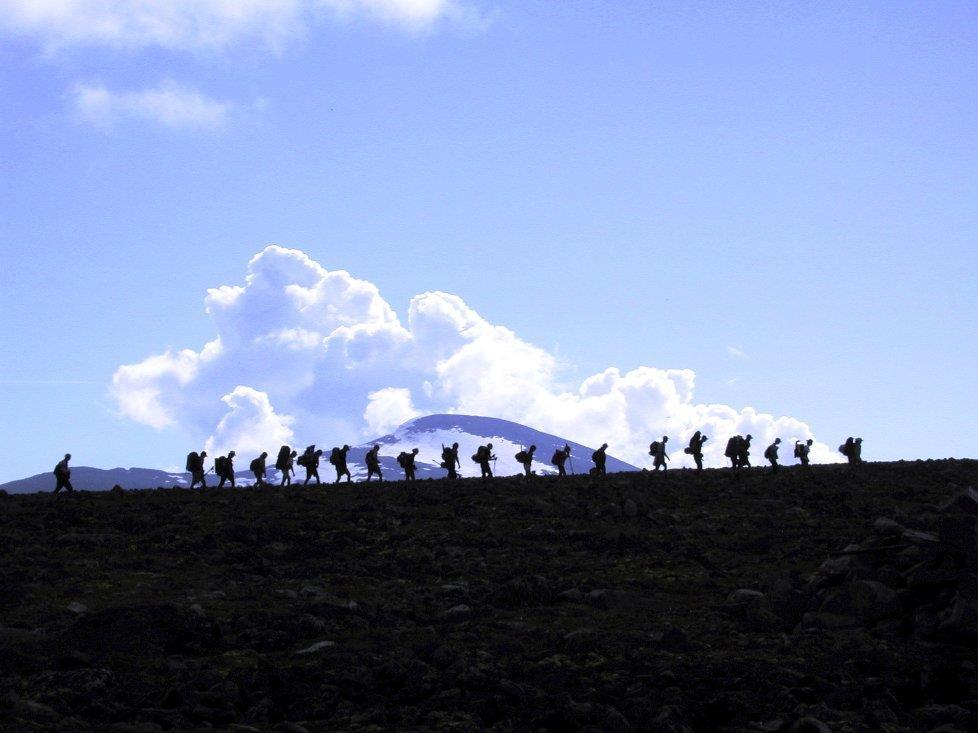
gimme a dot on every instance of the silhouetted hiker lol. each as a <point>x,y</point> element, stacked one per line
<point>848,449</point>
<point>771,453</point>
<point>857,449</point>
<point>560,458</point>
<point>525,457</point>
<point>657,449</point>
<point>62,475</point>
<point>743,453</point>
<point>599,457</point>
<point>284,463</point>
<point>450,461</point>
<point>338,458</point>
<point>309,460</point>
<point>406,461</point>
<point>695,449</point>
<point>257,467</point>
<point>802,450</point>
<point>195,464</point>
<point>732,451</point>
<point>224,469</point>
<point>482,456</point>
<point>373,463</point>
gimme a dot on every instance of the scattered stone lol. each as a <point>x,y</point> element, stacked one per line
<point>809,725</point>
<point>571,595</point>
<point>77,608</point>
<point>458,613</point>
<point>888,528</point>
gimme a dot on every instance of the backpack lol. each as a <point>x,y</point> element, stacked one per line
<point>282,462</point>
<point>335,456</point>
<point>220,466</point>
<point>402,459</point>
<point>447,456</point>
<point>303,460</point>
<point>654,448</point>
<point>193,461</point>
<point>769,452</point>
<point>255,465</point>
<point>844,449</point>
<point>731,450</point>
<point>596,456</point>
<point>481,455</point>
<point>798,451</point>
<point>522,456</point>
<point>558,458</point>
<point>688,450</point>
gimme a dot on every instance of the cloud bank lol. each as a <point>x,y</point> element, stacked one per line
<point>304,354</point>
<point>170,104</point>
<point>192,25</point>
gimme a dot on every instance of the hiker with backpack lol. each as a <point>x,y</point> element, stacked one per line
<point>852,450</point>
<point>732,451</point>
<point>771,454</point>
<point>599,457</point>
<point>525,457</point>
<point>309,460</point>
<point>743,452</point>
<point>372,460</point>
<point>338,458</point>
<point>406,461</point>
<point>62,475</point>
<point>657,449</point>
<point>224,469</point>
<point>284,462</point>
<point>195,464</point>
<point>482,456</point>
<point>257,467</point>
<point>559,458</point>
<point>802,450</point>
<point>450,461</point>
<point>695,449</point>
<point>857,449</point>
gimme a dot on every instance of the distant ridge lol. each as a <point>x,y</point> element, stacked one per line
<point>427,434</point>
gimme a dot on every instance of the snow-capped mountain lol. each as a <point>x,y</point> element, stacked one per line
<point>428,434</point>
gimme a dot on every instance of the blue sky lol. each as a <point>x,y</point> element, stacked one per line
<point>778,197</point>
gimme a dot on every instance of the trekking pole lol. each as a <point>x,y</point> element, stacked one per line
<point>572,464</point>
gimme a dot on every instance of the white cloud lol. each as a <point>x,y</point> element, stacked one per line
<point>169,104</point>
<point>207,24</point>
<point>326,348</point>
<point>736,352</point>
<point>387,408</point>
<point>250,425</point>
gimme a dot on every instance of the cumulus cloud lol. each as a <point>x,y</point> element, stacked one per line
<point>169,104</point>
<point>206,24</point>
<point>301,350</point>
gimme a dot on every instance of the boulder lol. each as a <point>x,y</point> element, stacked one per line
<point>966,502</point>
<point>872,600</point>
<point>887,527</point>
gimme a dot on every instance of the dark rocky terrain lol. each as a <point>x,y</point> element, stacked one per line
<point>842,600</point>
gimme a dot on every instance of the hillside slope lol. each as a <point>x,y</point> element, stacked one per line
<point>640,601</point>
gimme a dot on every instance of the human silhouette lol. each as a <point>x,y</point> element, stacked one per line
<point>338,458</point>
<point>743,452</point>
<point>224,468</point>
<point>525,458</point>
<point>802,450</point>
<point>309,460</point>
<point>286,464</point>
<point>372,460</point>
<point>599,457</point>
<point>406,461</point>
<point>257,467</point>
<point>195,464</point>
<point>857,449</point>
<point>771,454</point>
<point>482,456</point>
<point>450,461</point>
<point>62,475</point>
<point>657,449</point>
<point>695,449</point>
<point>560,458</point>
<point>848,449</point>
<point>732,451</point>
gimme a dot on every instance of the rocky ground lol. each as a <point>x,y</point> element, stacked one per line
<point>841,600</point>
